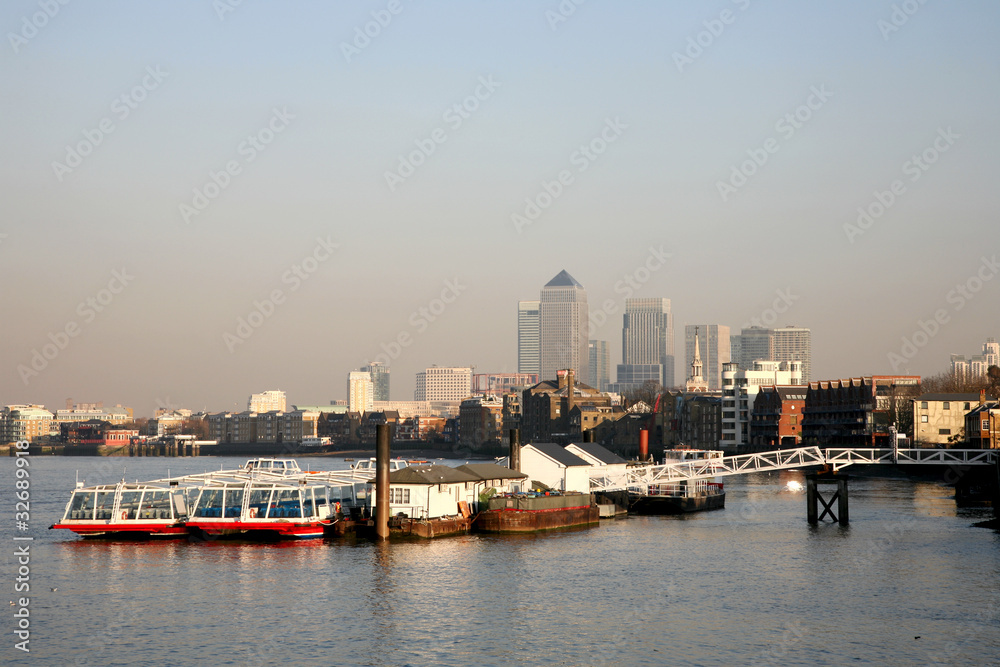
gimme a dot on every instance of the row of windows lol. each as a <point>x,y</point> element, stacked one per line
<point>945,405</point>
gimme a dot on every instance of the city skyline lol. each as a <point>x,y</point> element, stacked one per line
<point>267,203</point>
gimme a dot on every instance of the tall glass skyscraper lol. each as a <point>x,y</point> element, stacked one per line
<point>380,379</point>
<point>600,365</point>
<point>565,327</point>
<point>648,338</point>
<point>794,343</point>
<point>528,333</point>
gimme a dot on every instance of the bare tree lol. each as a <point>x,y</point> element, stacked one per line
<point>646,392</point>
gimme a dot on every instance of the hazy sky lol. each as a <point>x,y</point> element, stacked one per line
<point>171,168</point>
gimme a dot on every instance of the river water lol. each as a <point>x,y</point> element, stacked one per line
<point>910,581</point>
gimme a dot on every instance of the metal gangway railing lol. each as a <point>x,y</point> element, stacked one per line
<point>643,476</point>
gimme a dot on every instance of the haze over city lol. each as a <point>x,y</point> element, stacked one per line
<point>208,200</point>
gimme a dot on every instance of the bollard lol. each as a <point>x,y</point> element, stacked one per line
<point>382,481</point>
<point>514,458</point>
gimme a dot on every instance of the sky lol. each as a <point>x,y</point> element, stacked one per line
<point>202,200</point>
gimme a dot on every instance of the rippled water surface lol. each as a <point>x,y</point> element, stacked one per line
<point>910,581</point>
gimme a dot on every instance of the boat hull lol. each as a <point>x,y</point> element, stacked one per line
<point>125,530</point>
<point>661,505</point>
<point>258,530</point>
<point>529,514</point>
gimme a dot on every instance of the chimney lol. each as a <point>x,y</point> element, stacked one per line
<point>570,384</point>
<point>982,397</point>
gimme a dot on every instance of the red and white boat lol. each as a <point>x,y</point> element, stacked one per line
<point>140,510</point>
<point>261,507</point>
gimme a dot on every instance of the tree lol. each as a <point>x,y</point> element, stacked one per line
<point>646,392</point>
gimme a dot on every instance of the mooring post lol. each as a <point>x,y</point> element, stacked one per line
<point>514,459</point>
<point>643,445</point>
<point>843,515</point>
<point>811,494</point>
<point>382,481</point>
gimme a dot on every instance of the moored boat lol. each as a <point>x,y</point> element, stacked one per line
<point>678,498</point>
<point>260,508</point>
<point>123,510</point>
<point>533,512</point>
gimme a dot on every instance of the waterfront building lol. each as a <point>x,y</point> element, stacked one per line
<point>982,425</point>
<point>938,419</point>
<point>480,421</point>
<point>380,380</point>
<point>428,491</point>
<point>546,407</point>
<point>714,347</point>
<point>859,411</point>
<point>117,415</point>
<point>739,390</point>
<point>266,401</point>
<point>443,383</point>
<point>600,364</point>
<point>529,333</point>
<point>794,344</point>
<point>167,423</point>
<point>555,467</point>
<point>776,417</point>
<point>648,337</point>
<point>498,384</point>
<point>564,325</point>
<point>26,422</point>
<point>360,391</point>
<point>602,461</point>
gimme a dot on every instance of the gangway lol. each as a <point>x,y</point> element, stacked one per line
<point>638,478</point>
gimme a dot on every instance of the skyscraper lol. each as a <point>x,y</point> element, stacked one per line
<point>528,334</point>
<point>648,337</point>
<point>267,401</point>
<point>380,378</point>
<point>713,341</point>
<point>794,344</point>
<point>360,391</point>
<point>600,365</point>
<point>564,318</point>
<point>752,344</point>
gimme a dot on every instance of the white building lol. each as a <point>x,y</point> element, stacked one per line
<point>740,389</point>
<point>267,401</point>
<point>975,367</point>
<point>25,422</point>
<point>360,391</point>
<point>439,383</point>
<point>555,467</point>
<point>429,491</point>
<point>794,344</point>
<point>602,461</point>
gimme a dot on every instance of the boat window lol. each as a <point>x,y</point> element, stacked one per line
<point>321,496</point>
<point>105,503</point>
<point>155,504</point>
<point>258,502</point>
<point>286,504</point>
<point>209,503</point>
<point>233,503</point>
<point>82,505</point>
<point>129,506</point>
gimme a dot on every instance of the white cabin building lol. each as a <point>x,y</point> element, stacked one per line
<point>555,467</point>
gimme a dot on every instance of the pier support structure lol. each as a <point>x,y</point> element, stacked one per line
<point>814,498</point>
<point>382,481</point>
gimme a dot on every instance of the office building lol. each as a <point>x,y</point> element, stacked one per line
<point>564,325</point>
<point>380,379</point>
<point>443,384</point>
<point>750,345</point>
<point>600,365</point>
<point>528,334</point>
<point>648,337</point>
<point>794,344</point>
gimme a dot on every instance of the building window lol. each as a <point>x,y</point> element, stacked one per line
<point>793,420</point>
<point>967,406</point>
<point>986,424</point>
<point>923,419</point>
<point>923,405</point>
<point>399,496</point>
<point>944,431</point>
<point>946,406</point>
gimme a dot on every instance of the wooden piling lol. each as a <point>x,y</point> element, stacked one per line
<point>814,498</point>
<point>514,459</point>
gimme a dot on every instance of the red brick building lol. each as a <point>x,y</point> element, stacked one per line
<point>776,417</point>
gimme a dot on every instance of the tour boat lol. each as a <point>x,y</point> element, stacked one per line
<point>261,508</point>
<point>124,510</point>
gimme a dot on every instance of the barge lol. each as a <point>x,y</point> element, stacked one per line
<point>533,512</point>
